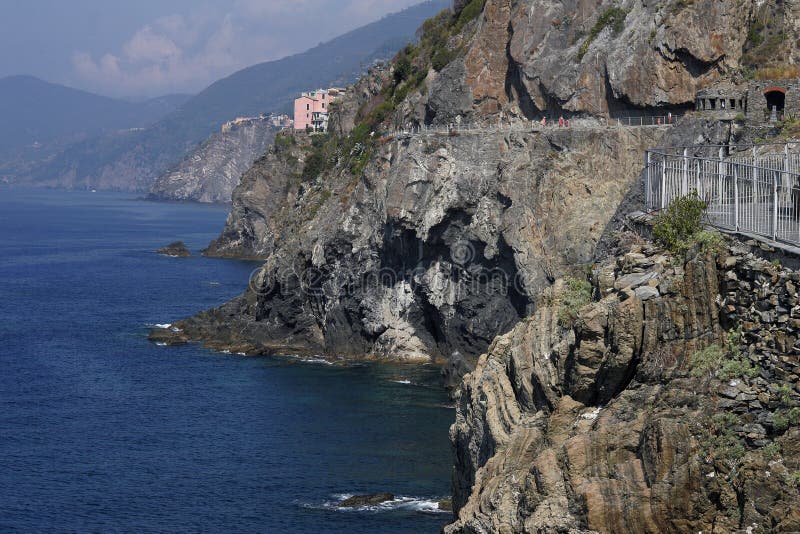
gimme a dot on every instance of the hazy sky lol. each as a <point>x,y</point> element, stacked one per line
<point>153,47</point>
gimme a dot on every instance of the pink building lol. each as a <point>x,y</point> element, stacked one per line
<point>311,110</point>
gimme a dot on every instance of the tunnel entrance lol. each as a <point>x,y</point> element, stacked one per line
<point>776,100</point>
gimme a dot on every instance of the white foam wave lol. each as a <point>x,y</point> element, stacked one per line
<point>225,351</point>
<point>317,360</point>
<point>161,344</point>
<point>163,325</point>
<point>428,505</point>
<point>407,382</point>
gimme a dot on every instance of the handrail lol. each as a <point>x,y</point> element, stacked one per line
<point>736,146</point>
<point>758,194</point>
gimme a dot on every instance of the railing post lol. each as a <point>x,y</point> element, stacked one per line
<point>664,180</point>
<point>736,196</point>
<point>719,173</point>
<point>774,206</point>
<point>685,184</point>
<point>647,182</point>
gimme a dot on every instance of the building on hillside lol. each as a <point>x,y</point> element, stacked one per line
<point>723,102</point>
<point>312,108</point>
<point>281,121</point>
<point>276,121</point>
<point>760,101</point>
<point>772,100</point>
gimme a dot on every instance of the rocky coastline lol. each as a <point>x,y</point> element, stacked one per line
<point>603,384</point>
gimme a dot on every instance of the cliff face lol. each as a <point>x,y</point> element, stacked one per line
<point>439,214</point>
<point>438,247</point>
<point>622,423</point>
<point>529,57</point>
<point>211,172</point>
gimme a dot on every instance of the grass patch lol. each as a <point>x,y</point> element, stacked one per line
<point>577,293</point>
<point>789,128</point>
<point>724,362</point>
<point>782,72</point>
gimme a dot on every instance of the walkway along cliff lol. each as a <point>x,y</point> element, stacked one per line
<point>450,244</point>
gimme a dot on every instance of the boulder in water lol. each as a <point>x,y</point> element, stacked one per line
<point>175,250</point>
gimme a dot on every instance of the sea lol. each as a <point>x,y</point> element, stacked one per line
<point>101,430</point>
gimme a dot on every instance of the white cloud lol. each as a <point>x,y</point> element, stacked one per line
<point>186,52</point>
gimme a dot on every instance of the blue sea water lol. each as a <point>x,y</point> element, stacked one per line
<point>101,430</point>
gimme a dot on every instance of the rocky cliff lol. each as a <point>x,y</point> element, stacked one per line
<point>439,246</point>
<point>212,171</point>
<point>643,414</point>
<point>388,240</point>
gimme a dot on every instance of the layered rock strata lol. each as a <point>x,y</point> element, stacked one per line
<point>613,424</point>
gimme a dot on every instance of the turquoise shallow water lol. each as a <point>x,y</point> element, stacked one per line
<point>102,430</point>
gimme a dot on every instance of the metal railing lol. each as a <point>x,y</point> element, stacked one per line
<point>646,120</point>
<point>533,125</point>
<point>749,189</point>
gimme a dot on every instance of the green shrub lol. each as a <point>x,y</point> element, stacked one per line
<point>715,360</point>
<point>679,223</point>
<point>315,164</point>
<point>794,479</point>
<point>577,293</point>
<point>402,69</point>
<point>739,117</point>
<point>705,362</point>
<point>613,17</point>
<point>284,141</point>
<point>720,442</point>
<point>737,367</point>
<point>469,13</point>
<point>772,451</point>
<point>782,420</point>
<point>708,241</point>
<point>443,57</point>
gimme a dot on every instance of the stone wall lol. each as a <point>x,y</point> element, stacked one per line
<point>757,109</point>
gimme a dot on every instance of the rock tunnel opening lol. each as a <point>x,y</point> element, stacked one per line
<point>775,98</point>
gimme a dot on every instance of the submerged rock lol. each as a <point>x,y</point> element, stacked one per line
<point>177,249</point>
<point>445,504</point>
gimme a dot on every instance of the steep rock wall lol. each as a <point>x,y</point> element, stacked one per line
<point>606,426</point>
<point>529,57</point>
<point>212,171</point>
<point>440,246</point>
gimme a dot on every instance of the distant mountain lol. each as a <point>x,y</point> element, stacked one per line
<point>36,111</point>
<point>133,160</point>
